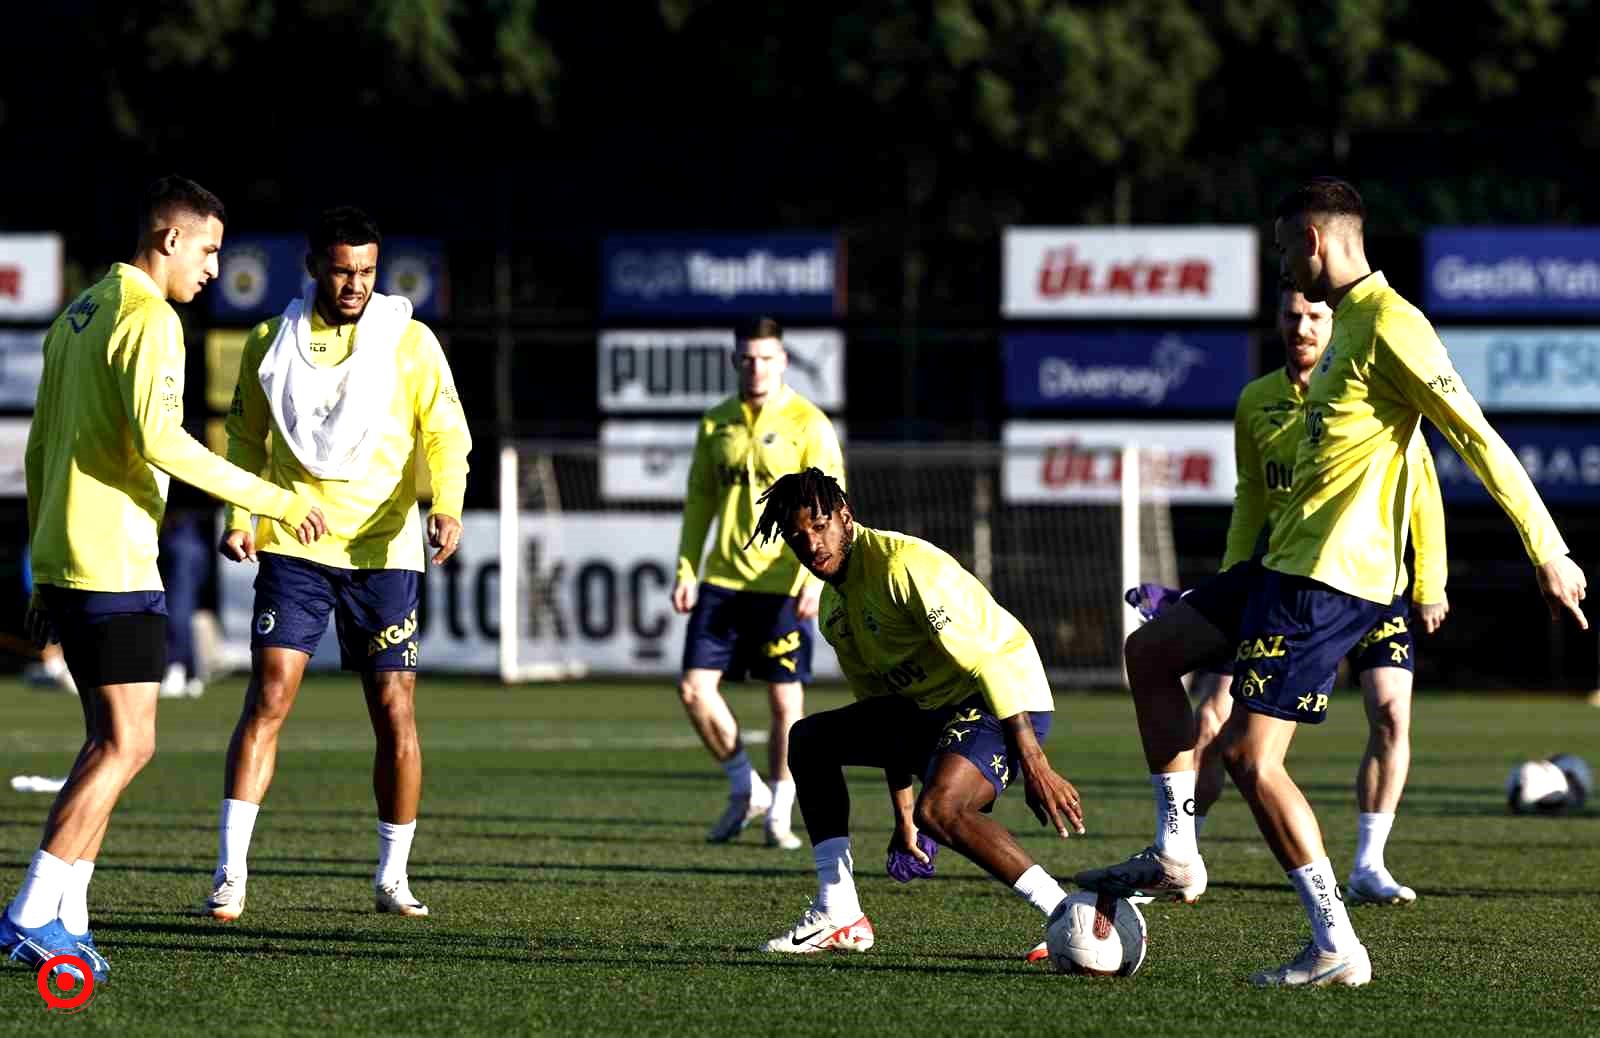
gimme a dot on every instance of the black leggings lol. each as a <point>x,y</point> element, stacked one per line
<point>886,732</point>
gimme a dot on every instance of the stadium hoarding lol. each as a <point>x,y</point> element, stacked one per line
<point>1126,369</point>
<point>1146,272</point>
<point>595,590</point>
<point>21,367</point>
<point>1562,459</point>
<point>31,279</point>
<point>259,274</point>
<point>690,370</point>
<point>785,274</point>
<point>1532,271</point>
<point>1069,463</point>
<point>645,460</point>
<point>1528,369</point>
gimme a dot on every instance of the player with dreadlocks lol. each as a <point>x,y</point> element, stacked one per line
<point>949,689</point>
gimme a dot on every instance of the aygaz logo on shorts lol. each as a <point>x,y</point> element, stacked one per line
<point>266,620</point>
<point>392,635</point>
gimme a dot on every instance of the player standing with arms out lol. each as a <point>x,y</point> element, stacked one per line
<point>750,613</point>
<point>107,433</point>
<point>949,688</point>
<point>1268,428</point>
<point>346,385</point>
<point>1330,571</point>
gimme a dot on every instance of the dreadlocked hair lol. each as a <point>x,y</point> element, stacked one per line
<point>813,489</point>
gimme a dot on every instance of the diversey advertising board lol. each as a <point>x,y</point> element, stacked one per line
<point>594,590</point>
<point>1511,270</point>
<point>1562,459</point>
<point>1081,462</point>
<point>663,275</point>
<point>1158,272</point>
<point>1528,369</point>
<point>1126,369</point>
<point>259,274</point>
<point>691,370</point>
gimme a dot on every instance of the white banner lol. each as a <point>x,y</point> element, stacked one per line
<point>1130,272</point>
<point>13,451</point>
<point>648,460</point>
<point>595,589</point>
<point>1528,369</point>
<point>21,366</point>
<point>30,277</point>
<point>691,370</point>
<point>1081,462</point>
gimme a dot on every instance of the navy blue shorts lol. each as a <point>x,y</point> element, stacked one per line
<point>109,637</point>
<point>1388,643</point>
<point>375,611</point>
<point>748,633</point>
<point>969,730</point>
<point>1221,599</point>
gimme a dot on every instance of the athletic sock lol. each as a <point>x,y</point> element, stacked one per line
<point>1319,894</point>
<point>1174,796</point>
<point>1039,889</point>
<point>1372,834</point>
<point>741,776</point>
<point>74,910</point>
<point>394,848</point>
<point>836,883</point>
<point>782,811</point>
<point>40,897</point>
<point>237,823</point>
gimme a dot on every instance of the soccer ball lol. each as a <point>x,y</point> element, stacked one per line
<point>1537,786</point>
<point>1101,935</point>
<point>1580,780</point>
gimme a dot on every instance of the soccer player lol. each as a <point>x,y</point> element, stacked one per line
<point>345,386</point>
<point>752,612</point>
<point>107,433</point>
<point>949,688</point>
<point>1267,432</point>
<point>1330,572</point>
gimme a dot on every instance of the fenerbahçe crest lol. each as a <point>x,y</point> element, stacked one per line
<point>266,620</point>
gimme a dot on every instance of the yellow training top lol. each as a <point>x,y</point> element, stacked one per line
<point>107,432</point>
<point>737,456</point>
<point>908,620</point>
<point>1384,371</point>
<point>372,521</point>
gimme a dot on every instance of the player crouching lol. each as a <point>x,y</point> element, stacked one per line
<point>948,687</point>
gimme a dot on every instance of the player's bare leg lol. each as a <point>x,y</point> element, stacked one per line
<point>1380,780</point>
<point>1178,641</point>
<point>787,700</point>
<point>396,784</point>
<point>1215,707</point>
<point>748,797</point>
<point>1254,746</point>
<point>275,676</point>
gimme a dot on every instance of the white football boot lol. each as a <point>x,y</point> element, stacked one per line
<point>1314,967</point>
<point>816,932</point>
<point>1149,874</point>
<point>395,898</point>
<point>227,899</point>
<point>1376,888</point>
<point>782,838</point>
<point>740,813</point>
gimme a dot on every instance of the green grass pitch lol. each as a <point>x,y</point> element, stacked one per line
<point>561,849</point>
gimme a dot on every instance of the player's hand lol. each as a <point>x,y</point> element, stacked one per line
<point>809,601</point>
<point>683,595</point>
<point>911,855</point>
<point>1432,614</point>
<point>313,527</point>
<point>41,631</point>
<point>238,545</point>
<point>444,533</point>
<point>1563,585</point>
<point>1052,799</point>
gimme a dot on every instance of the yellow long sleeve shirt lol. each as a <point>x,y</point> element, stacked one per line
<point>738,454</point>
<point>1268,425</point>
<point>908,620</point>
<point>1383,372</point>
<point>373,522</point>
<point>108,432</point>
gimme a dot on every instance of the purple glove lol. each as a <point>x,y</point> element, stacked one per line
<point>1151,599</point>
<point>904,866</point>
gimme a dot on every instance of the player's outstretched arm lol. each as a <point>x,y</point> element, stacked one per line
<point>1052,798</point>
<point>910,853</point>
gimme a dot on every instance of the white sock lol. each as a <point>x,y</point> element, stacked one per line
<point>1319,893</point>
<point>781,813</point>
<point>237,823</point>
<point>741,776</point>
<point>1371,835</point>
<point>1199,826</point>
<point>394,847</point>
<point>74,910</point>
<point>836,882</point>
<point>55,665</point>
<point>1174,792</point>
<point>40,897</point>
<point>1039,889</point>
